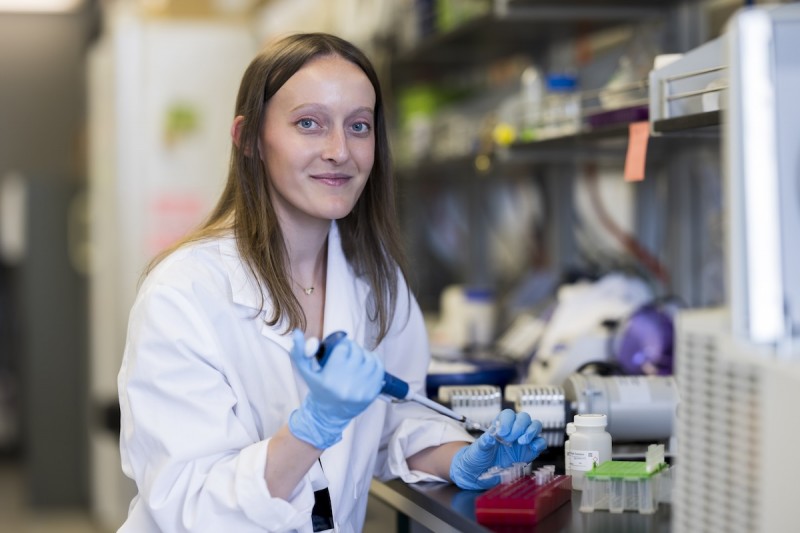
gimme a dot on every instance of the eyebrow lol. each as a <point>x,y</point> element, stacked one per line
<point>369,110</point>
<point>362,109</point>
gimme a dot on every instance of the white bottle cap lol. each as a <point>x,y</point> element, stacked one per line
<point>591,420</point>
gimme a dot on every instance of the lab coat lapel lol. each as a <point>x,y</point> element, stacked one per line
<point>345,304</point>
<point>245,291</point>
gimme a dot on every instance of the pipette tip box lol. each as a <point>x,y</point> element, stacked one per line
<point>618,486</point>
<point>522,502</point>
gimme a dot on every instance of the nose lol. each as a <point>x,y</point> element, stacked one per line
<point>336,149</point>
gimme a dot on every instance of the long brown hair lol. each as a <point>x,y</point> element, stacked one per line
<point>370,234</point>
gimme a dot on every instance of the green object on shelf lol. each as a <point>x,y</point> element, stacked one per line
<point>427,99</point>
<point>418,100</point>
<point>450,14</point>
<point>623,470</point>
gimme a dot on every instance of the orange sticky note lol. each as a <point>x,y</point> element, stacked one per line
<point>638,135</point>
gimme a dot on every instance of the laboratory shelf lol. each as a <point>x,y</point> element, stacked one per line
<point>586,135</point>
<point>608,142</point>
<point>597,144</point>
<point>686,123</point>
<point>516,27</point>
<point>605,11</point>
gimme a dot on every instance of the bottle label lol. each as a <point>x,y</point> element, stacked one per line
<point>583,460</point>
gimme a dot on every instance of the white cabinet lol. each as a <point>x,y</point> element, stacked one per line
<point>162,94</point>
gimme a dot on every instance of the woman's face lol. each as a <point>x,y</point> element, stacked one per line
<point>318,143</point>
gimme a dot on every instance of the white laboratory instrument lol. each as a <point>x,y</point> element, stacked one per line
<point>738,368</point>
<point>638,408</point>
<point>735,431</point>
<point>575,334</point>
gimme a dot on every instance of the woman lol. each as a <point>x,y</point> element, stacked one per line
<point>226,423</point>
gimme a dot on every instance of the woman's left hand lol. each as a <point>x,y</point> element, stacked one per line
<point>522,445</point>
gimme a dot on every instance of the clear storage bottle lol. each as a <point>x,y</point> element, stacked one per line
<point>561,113</point>
<point>589,444</point>
<point>530,112</point>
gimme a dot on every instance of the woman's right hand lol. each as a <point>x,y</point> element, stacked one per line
<point>348,383</point>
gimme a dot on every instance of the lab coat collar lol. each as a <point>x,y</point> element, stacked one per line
<point>346,295</point>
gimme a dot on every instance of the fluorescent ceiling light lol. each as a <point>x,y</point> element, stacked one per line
<point>39,6</point>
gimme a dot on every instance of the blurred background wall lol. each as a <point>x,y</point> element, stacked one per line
<point>43,288</point>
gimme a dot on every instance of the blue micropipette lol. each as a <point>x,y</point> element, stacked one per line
<point>394,386</point>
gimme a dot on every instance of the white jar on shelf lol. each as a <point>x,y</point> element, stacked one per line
<point>480,310</point>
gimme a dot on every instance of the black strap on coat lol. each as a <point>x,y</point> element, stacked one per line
<point>322,513</point>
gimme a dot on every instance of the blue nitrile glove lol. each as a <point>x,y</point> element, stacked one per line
<point>525,445</point>
<point>350,380</point>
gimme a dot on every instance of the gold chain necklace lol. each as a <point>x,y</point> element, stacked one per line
<point>308,290</point>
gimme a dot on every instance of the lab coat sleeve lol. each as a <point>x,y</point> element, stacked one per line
<point>410,427</point>
<point>196,466</point>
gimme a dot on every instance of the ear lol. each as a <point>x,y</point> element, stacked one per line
<point>236,133</point>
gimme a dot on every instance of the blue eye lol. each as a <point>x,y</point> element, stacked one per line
<point>305,123</point>
<point>361,127</point>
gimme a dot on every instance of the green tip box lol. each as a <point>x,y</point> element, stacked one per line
<point>618,486</point>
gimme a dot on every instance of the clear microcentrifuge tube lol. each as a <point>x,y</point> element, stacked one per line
<point>506,474</point>
<point>491,472</point>
<point>544,474</point>
<point>492,430</point>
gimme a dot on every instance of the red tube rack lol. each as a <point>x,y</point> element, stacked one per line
<point>522,502</point>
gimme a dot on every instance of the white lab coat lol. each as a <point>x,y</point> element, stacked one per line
<point>205,382</point>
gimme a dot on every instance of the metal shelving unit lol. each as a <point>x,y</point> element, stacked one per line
<point>518,26</point>
<point>688,123</point>
<point>533,28</point>
<point>686,95</point>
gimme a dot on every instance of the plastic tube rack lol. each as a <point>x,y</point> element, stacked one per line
<point>524,501</point>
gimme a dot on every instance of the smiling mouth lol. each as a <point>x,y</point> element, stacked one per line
<point>332,179</point>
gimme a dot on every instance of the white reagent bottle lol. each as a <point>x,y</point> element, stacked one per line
<point>589,444</point>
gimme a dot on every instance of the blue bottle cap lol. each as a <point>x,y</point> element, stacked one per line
<point>561,82</point>
<point>479,294</point>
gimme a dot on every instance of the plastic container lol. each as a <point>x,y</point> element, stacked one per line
<point>561,113</point>
<point>525,501</point>
<point>468,317</point>
<point>480,316</point>
<point>618,486</point>
<point>531,96</point>
<point>589,445</point>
